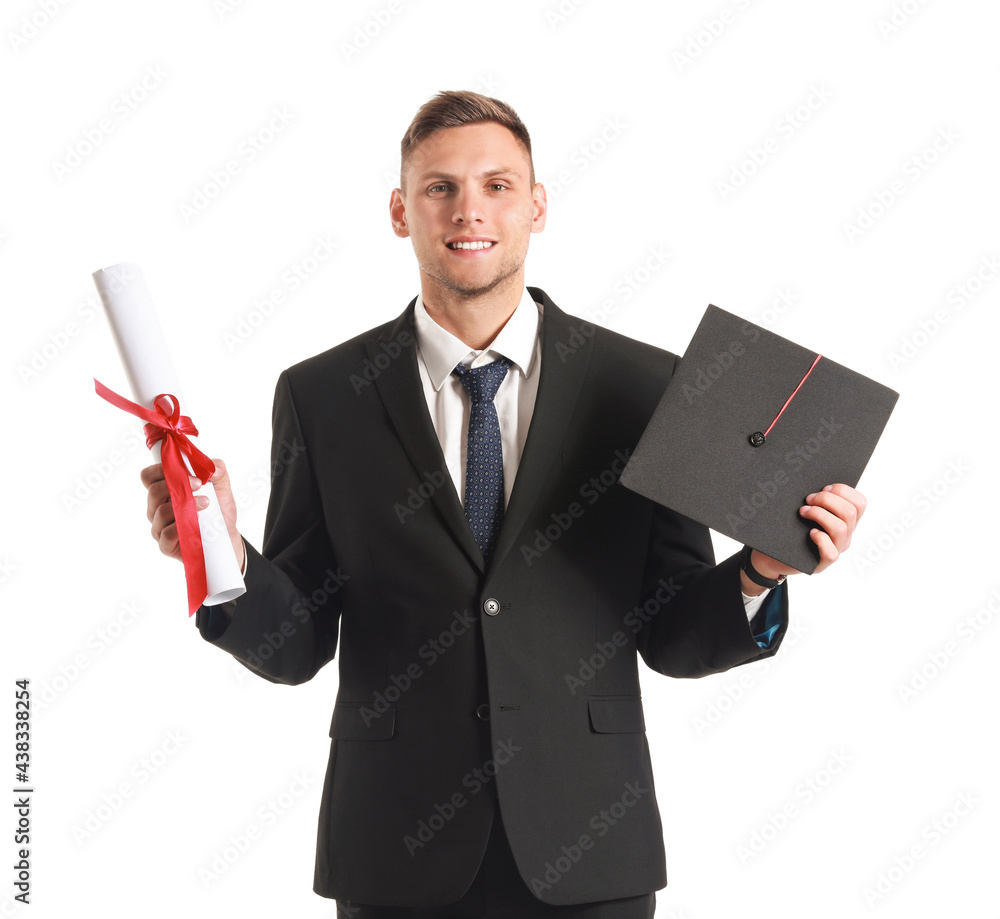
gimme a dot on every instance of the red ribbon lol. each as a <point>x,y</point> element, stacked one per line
<point>166,423</point>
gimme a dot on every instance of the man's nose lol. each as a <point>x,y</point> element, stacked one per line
<point>468,208</point>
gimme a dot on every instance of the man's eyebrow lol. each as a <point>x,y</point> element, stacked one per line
<point>488,174</point>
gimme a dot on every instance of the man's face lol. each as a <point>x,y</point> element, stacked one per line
<point>469,185</point>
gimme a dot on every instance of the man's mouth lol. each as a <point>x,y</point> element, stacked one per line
<point>472,245</point>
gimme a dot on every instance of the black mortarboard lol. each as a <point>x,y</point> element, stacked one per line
<point>750,424</point>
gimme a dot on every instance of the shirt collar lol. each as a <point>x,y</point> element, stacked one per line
<point>442,351</point>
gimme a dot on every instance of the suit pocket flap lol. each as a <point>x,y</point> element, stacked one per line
<point>357,721</point>
<point>616,716</point>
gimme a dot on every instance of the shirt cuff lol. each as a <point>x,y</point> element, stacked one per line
<point>753,604</point>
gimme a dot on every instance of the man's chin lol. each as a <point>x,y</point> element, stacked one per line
<point>467,291</point>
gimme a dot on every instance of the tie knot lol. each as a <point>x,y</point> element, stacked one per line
<point>482,383</point>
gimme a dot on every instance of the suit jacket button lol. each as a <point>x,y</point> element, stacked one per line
<point>483,712</point>
<point>491,607</point>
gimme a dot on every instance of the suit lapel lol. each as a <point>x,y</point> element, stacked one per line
<point>400,388</point>
<point>566,353</point>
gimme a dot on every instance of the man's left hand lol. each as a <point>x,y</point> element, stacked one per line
<point>836,511</point>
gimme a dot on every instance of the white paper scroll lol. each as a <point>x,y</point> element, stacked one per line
<point>150,372</point>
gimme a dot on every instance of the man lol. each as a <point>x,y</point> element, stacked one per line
<point>444,491</point>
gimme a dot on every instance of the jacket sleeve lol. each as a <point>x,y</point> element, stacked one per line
<point>284,628</point>
<point>694,620</point>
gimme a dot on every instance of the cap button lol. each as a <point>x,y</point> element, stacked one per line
<point>756,439</point>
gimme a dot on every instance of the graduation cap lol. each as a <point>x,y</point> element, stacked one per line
<point>750,423</point>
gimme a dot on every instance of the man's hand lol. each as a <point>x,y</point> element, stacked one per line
<point>836,511</point>
<point>160,513</point>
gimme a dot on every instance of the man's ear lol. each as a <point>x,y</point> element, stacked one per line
<point>397,213</point>
<point>540,208</point>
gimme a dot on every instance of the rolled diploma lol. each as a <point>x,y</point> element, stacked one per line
<point>150,371</point>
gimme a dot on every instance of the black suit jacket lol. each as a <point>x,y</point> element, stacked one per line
<point>462,689</point>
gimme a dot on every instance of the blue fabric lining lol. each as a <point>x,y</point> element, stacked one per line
<point>771,612</point>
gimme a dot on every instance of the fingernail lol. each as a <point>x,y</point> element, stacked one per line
<point>804,508</point>
<point>202,502</point>
<point>810,497</point>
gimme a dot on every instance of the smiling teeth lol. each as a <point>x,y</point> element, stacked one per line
<point>476,245</point>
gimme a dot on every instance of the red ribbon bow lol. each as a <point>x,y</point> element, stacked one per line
<point>166,423</point>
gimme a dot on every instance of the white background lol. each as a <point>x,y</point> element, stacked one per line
<point>851,107</point>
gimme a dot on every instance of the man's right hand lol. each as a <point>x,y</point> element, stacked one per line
<point>161,514</point>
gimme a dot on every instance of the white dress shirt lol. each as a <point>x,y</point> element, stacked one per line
<point>439,352</point>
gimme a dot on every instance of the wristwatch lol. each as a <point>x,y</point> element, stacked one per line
<point>754,574</point>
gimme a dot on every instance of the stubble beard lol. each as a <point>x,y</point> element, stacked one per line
<point>465,292</point>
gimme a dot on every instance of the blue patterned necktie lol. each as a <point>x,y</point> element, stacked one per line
<point>484,494</point>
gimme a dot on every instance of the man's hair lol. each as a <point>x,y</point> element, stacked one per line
<point>453,109</point>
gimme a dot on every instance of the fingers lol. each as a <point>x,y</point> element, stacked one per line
<point>852,495</point>
<point>837,527</point>
<point>220,479</point>
<point>836,511</point>
<point>160,512</point>
<point>164,530</point>
<point>828,552</point>
<point>151,474</point>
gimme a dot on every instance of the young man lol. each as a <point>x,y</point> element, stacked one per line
<point>449,502</point>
